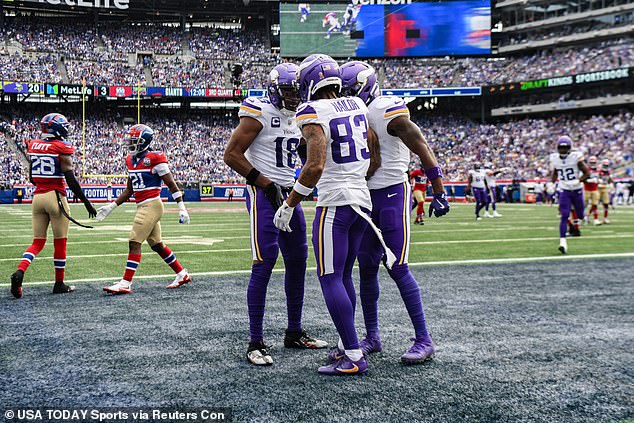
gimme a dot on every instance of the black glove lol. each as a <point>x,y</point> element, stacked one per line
<point>91,209</point>
<point>273,193</point>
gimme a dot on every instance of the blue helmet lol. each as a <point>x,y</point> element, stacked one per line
<point>138,138</point>
<point>315,72</point>
<point>55,126</point>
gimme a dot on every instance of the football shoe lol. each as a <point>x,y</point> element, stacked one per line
<point>606,221</point>
<point>16,283</point>
<point>335,355</point>
<point>121,287</point>
<point>181,279</point>
<point>345,367</point>
<point>303,341</point>
<point>596,222</point>
<point>422,350</point>
<point>370,345</point>
<point>563,245</point>
<point>496,214</point>
<point>486,214</point>
<point>62,288</point>
<point>258,354</point>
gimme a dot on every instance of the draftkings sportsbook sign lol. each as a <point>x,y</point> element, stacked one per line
<point>94,4</point>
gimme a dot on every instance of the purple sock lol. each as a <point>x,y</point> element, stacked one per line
<point>410,292</point>
<point>256,297</point>
<point>340,308</point>
<point>369,292</point>
<point>563,226</point>
<point>294,286</point>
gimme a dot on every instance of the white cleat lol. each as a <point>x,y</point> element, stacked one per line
<point>496,214</point>
<point>478,218</point>
<point>596,222</point>
<point>121,287</point>
<point>563,245</point>
<point>181,279</point>
<point>606,221</point>
<point>258,354</point>
<point>486,214</point>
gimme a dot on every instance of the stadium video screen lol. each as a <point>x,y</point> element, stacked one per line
<point>452,28</point>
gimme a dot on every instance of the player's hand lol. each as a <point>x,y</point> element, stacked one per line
<point>282,218</point>
<point>273,193</point>
<point>439,205</point>
<point>105,211</point>
<point>183,216</point>
<point>92,212</point>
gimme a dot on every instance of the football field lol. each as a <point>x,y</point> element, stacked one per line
<point>522,332</point>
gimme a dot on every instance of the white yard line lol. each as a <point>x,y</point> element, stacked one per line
<point>312,269</point>
<point>231,250</point>
<point>477,241</point>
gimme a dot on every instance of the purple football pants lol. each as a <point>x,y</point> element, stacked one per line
<point>568,199</point>
<point>266,242</point>
<point>491,198</point>
<point>480,196</point>
<point>391,213</point>
<point>337,235</point>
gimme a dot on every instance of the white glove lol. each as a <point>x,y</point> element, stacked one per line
<point>282,218</point>
<point>183,216</point>
<point>105,211</point>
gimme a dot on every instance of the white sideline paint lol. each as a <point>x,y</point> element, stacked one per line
<point>312,269</point>
<point>478,241</point>
<point>110,241</point>
<point>232,250</point>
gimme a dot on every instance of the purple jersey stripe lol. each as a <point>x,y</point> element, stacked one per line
<point>252,106</point>
<point>307,110</point>
<point>399,107</point>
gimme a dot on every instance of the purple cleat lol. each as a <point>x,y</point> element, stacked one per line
<point>370,345</point>
<point>335,355</point>
<point>422,350</point>
<point>344,367</point>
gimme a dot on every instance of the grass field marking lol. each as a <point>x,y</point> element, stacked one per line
<point>477,241</point>
<point>107,241</point>
<point>313,269</point>
<point>229,250</point>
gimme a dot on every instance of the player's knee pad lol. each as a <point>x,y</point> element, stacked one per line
<point>398,271</point>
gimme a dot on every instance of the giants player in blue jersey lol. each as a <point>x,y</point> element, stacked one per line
<point>147,170</point>
<point>391,198</point>
<point>263,150</point>
<point>337,136</point>
<point>566,166</point>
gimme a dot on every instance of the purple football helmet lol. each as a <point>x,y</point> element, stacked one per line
<point>315,72</point>
<point>359,79</point>
<point>282,88</point>
<point>564,146</point>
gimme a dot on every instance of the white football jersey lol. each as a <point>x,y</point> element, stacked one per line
<point>394,153</point>
<point>550,188</point>
<point>345,123</point>
<point>567,170</point>
<point>478,178</point>
<point>489,177</point>
<point>274,150</point>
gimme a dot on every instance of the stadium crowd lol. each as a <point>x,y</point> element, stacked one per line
<point>195,144</point>
<point>102,54</point>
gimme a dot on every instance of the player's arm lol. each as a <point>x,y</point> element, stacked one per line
<point>234,157</point>
<point>583,168</point>
<point>163,171</point>
<point>309,176</point>
<point>413,138</point>
<point>31,173</point>
<point>375,152</point>
<point>553,177</point>
<point>66,164</point>
<point>469,181</point>
<point>125,195</point>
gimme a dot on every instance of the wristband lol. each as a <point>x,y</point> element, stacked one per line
<point>252,176</point>
<point>113,205</point>
<point>433,173</point>
<point>181,206</point>
<point>301,189</point>
<point>176,195</point>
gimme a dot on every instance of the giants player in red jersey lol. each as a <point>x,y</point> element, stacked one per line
<point>419,182</point>
<point>51,163</point>
<point>147,170</point>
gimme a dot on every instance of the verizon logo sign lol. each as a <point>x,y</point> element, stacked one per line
<point>95,4</point>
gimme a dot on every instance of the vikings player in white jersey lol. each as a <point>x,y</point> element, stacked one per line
<point>391,198</point>
<point>338,137</point>
<point>566,166</point>
<point>477,185</point>
<point>491,182</point>
<point>263,150</point>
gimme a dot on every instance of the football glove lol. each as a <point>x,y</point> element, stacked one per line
<point>183,216</point>
<point>273,193</point>
<point>439,205</point>
<point>105,211</point>
<point>282,218</point>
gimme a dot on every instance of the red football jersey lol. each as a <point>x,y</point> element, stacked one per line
<point>592,186</point>
<point>420,180</point>
<point>145,176</point>
<point>46,169</point>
